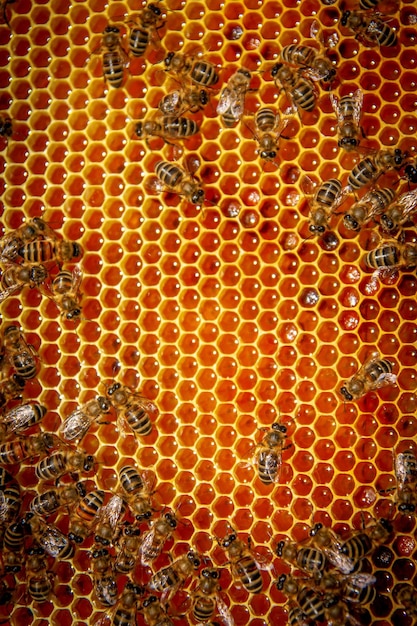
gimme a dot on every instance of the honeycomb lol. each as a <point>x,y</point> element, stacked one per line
<point>229,316</point>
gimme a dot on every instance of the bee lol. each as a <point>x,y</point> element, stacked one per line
<point>128,549</point>
<point>328,196</point>
<point>132,409</point>
<point>206,598</point>
<point>359,588</point>
<point>178,180</point>
<point>143,28</point>
<point>108,520</point>
<point>348,114</point>
<point>406,595</point>
<point>85,515</point>
<point>155,538</point>
<point>19,353</point>
<point>373,374</point>
<point>22,417</point>
<point>104,582</point>
<point>69,462</point>
<point>244,567</point>
<point>363,542</point>
<point>6,124</point>
<point>299,90</point>
<point>369,206</point>
<point>391,256</point>
<point>326,541</point>
<point>39,582</point>
<point>370,168</point>
<point>50,501</point>
<point>154,613</point>
<point>400,211</point>
<point>49,537</point>
<point>307,558</point>
<point>269,127</point>
<point>169,126</point>
<point>405,467</point>
<point>170,579</point>
<point>11,389</point>
<point>368,28</point>
<point>136,492</point>
<point>15,277</point>
<point>13,544</point>
<point>24,448</point>
<point>267,458</point>
<point>127,607</point>
<point>309,601</point>
<point>44,250</point>
<point>66,293</point>
<point>178,102</point>
<point>231,105</point>
<point>114,57</point>
<point>317,67</point>
<point>76,425</point>
<point>200,72</point>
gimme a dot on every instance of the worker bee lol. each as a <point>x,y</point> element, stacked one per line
<point>6,124</point>
<point>13,544</point>
<point>20,355</point>
<point>269,127</point>
<point>114,57</point>
<point>327,542</point>
<point>127,607</point>
<point>15,277</point>
<point>108,520</point>
<point>368,28</point>
<point>178,102</point>
<point>44,250</point>
<point>307,558</point>
<point>308,599</point>
<point>392,255</point>
<point>85,515</point>
<point>231,105</point>
<point>314,65</point>
<point>373,374</point>
<point>154,612</point>
<point>405,467</point>
<point>136,492</point>
<point>128,545</point>
<point>155,538</point>
<point>49,537</point>
<point>21,417</point>
<point>11,389</point>
<point>178,180</point>
<point>369,206</point>
<point>168,127</point>
<point>370,168</point>
<point>359,588</point>
<point>10,502</point>
<point>299,90</point>
<point>268,454</point>
<point>24,448</point>
<point>143,28</point>
<point>363,542</point>
<point>328,196</point>
<point>66,293</point>
<point>245,568</point>
<point>104,581</point>
<point>185,68</point>
<point>206,598</point>
<point>400,211</point>
<point>48,502</point>
<point>170,579</point>
<point>76,425</point>
<point>348,114</point>
<point>39,581</point>
<point>132,409</point>
<point>64,462</point>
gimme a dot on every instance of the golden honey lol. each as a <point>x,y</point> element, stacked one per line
<point>230,317</point>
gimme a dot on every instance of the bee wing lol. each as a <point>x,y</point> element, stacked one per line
<point>18,417</point>
<point>9,291</point>
<point>339,560</point>
<point>77,277</point>
<point>53,541</point>
<point>334,100</point>
<point>362,580</point>
<point>171,103</point>
<point>146,544</point>
<point>75,426</point>
<point>225,101</point>
<point>401,473</point>
<point>408,202</point>
<point>224,611</point>
<point>357,99</point>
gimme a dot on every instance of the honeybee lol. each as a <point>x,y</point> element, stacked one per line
<point>136,493</point>
<point>309,600</point>
<point>405,467</point>
<point>231,105</point>
<point>10,502</point>
<point>6,124</point>
<point>154,613</point>
<point>143,28</point>
<point>400,211</point>
<point>369,206</point>
<point>11,389</point>
<point>104,581</point>
<point>76,425</point>
<point>178,180</point>
<point>373,374</point>
<point>66,293</point>
<point>206,598</point>
<point>127,607</point>
<point>391,256</point>
<point>168,127</point>
<point>114,57</point>
<point>178,102</point>
<point>170,579</point>
<point>308,558</point>
<point>326,541</point>
<point>363,542</point>
<point>22,417</point>
<point>64,462</point>
<point>50,501</point>
<point>299,90</point>
<point>406,595</point>
<point>13,544</point>
<point>15,277</point>
<point>315,65</point>
<point>49,537</point>
<point>19,353</point>
<point>132,409</point>
<point>368,28</point>
<point>359,588</point>
<point>108,521</point>
<point>128,546</point>
<point>85,515</point>
<point>155,538</point>
<point>370,168</point>
<point>268,454</point>
<point>269,127</point>
<point>348,113</point>
<point>245,569</point>
<point>185,68</point>
<point>328,196</point>
<point>24,448</point>
<point>44,250</point>
<point>39,581</point>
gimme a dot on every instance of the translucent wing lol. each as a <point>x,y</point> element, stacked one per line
<point>224,611</point>
<point>225,101</point>
<point>408,202</point>
<point>75,426</point>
